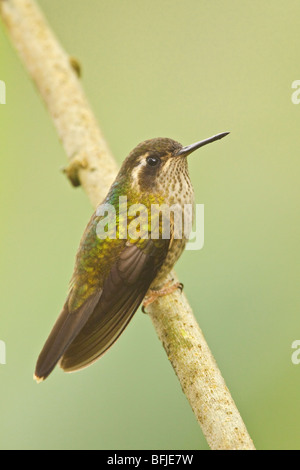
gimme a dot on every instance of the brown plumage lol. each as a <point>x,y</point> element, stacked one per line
<point>112,276</point>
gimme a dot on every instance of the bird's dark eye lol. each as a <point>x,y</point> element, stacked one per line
<point>152,161</point>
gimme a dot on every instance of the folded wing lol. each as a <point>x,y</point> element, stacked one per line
<point>80,337</point>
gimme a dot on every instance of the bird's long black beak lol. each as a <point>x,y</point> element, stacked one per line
<point>185,151</point>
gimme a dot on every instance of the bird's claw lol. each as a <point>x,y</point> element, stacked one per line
<point>167,289</point>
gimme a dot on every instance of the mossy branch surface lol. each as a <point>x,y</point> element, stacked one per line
<point>92,166</point>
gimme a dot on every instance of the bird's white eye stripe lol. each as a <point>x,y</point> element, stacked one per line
<point>143,159</point>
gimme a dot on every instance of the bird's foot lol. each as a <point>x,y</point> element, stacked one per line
<point>167,289</point>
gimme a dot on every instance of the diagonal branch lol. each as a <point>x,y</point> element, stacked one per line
<point>92,166</point>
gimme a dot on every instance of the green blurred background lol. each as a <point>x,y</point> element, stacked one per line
<point>185,70</point>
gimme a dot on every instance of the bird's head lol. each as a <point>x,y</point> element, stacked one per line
<point>156,164</point>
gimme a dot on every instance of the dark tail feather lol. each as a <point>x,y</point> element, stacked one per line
<point>66,328</point>
<point>97,336</point>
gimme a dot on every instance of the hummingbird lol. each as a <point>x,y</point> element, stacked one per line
<point>113,276</point>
